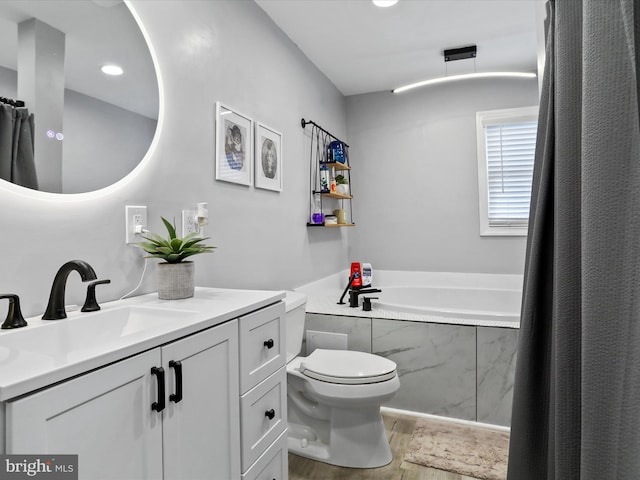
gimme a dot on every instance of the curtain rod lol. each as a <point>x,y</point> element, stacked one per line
<point>304,123</point>
<point>13,103</point>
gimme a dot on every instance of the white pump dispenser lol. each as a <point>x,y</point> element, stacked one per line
<point>367,275</point>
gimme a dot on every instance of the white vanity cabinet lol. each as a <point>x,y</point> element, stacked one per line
<point>263,394</point>
<point>115,420</point>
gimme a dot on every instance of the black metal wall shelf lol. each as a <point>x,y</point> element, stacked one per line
<point>320,140</point>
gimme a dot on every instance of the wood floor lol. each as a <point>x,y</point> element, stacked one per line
<point>399,430</point>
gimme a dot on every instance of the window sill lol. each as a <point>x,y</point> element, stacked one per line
<point>504,232</point>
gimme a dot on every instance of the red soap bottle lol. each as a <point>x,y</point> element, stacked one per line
<point>356,274</point>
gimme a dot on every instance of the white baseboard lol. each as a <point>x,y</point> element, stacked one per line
<point>398,411</point>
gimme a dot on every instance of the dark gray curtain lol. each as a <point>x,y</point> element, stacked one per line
<point>576,406</point>
<point>17,163</point>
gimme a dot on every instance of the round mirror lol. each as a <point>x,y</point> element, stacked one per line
<point>87,128</point>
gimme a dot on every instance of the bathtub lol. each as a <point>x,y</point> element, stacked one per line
<point>453,302</point>
<point>440,297</point>
<point>453,337</point>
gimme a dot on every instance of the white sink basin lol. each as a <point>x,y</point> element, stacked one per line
<point>96,330</point>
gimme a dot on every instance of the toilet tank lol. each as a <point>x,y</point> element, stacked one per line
<point>295,307</point>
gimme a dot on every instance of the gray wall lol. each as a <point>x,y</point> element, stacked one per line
<point>207,51</point>
<point>415,177</point>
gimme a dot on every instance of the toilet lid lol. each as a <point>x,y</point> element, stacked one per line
<point>347,367</point>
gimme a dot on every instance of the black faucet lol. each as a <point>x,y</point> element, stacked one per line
<point>341,301</point>
<point>353,295</point>
<point>55,308</point>
<point>90,302</point>
<point>14,315</point>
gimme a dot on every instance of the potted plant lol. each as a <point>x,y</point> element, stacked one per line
<point>175,275</point>
<point>342,185</point>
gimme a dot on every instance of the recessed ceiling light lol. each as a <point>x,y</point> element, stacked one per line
<point>112,70</point>
<point>384,3</point>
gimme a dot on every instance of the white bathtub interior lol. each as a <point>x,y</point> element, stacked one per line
<point>444,297</point>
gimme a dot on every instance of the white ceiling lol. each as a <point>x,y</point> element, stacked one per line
<point>362,48</point>
<point>359,47</point>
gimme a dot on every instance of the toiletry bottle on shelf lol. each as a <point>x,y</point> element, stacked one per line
<point>334,185</point>
<point>324,179</point>
<point>317,217</point>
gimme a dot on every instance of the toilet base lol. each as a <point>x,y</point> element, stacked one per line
<point>357,439</point>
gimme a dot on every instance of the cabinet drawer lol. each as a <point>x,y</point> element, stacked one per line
<point>273,464</point>
<point>262,345</point>
<point>263,416</point>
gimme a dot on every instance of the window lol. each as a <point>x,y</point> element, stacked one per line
<point>506,150</point>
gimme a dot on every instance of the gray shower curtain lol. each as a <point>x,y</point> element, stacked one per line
<point>17,163</point>
<point>576,405</point>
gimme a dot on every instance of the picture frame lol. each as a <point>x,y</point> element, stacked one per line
<point>234,146</point>
<point>268,158</point>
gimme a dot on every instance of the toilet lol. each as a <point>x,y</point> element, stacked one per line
<point>334,398</point>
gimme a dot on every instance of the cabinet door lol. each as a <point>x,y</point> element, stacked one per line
<point>201,431</point>
<point>104,416</point>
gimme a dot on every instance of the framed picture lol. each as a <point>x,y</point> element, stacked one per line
<point>234,146</point>
<point>268,158</point>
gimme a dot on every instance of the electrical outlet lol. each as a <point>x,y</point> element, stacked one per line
<point>189,222</point>
<point>135,216</point>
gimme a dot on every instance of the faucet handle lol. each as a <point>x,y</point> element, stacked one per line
<point>90,303</point>
<point>14,315</point>
<point>366,303</point>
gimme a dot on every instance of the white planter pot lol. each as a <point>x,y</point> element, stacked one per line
<point>175,280</point>
<point>343,188</point>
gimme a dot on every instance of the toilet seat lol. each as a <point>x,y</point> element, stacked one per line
<point>347,367</point>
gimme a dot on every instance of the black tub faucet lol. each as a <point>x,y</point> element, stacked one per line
<point>353,295</point>
<point>55,309</point>
<point>341,301</point>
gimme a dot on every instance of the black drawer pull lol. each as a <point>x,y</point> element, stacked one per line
<point>159,373</point>
<point>177,366</point>
<point>269,343</point>
<point>270,414</point>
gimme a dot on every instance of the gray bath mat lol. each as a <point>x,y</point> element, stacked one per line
<point>467,450</point>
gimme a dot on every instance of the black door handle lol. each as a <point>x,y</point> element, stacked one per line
<point>269,343</point>
<point>177,366</point>
<point>270,414</point>
<point>159,405</point>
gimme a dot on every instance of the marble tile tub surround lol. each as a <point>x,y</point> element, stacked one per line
<point>456,371</point>
<point>436,364</point>
<point>454,367</point>
<point>323,294</point>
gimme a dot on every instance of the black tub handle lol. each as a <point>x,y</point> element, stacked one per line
<point>177,366</point>
<point>159,373</point>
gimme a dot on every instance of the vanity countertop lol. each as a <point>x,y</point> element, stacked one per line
<point>36,356</point>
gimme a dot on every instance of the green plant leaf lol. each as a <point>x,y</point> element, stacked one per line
<point>176,245</point>
<point>173,258</point>
<point>193,241</point>
<point>170,228</point>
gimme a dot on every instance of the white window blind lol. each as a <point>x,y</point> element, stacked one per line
<point>506,151</point>
<point>510,153</point>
